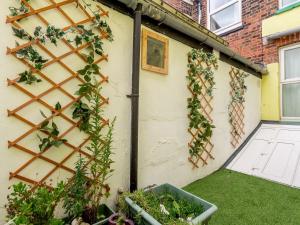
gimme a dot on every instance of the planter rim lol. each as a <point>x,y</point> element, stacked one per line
<point>202,217</point>
<point>106,219</point>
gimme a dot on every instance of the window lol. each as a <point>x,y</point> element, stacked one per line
<point>290,82</point>
<point>284,3</point>
<point>187,8</point>
<point>224,15</point>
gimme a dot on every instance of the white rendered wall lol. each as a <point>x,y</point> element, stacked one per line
<point>163,125</point>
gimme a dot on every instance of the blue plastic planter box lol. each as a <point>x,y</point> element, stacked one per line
<point>146,219</point>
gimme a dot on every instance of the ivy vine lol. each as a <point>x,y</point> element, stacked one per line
<point>239,89</point>
<point>22,9</point>
<point>200,66</point>
<point>28,77</point>
<point>51,129</point>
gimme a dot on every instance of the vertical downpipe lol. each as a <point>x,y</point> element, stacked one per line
<point>135,98</point>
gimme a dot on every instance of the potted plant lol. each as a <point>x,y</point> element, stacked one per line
<point>36,207</point>
<point>88,187</point>
<point>119,219</point>
<point>166,204</point>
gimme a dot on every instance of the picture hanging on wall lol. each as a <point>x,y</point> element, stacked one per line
<point>155,52</point>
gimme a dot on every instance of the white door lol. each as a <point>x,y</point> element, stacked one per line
<point>290,82</point>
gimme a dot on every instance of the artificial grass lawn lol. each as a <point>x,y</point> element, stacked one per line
<point>247,200</point>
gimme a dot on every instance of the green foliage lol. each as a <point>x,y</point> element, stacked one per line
<point>239,88</point>
<point>52,133</point>
<point>86,35</point>
<point>22,34</point>
<point>90,69</point>
<point>34,207</point>
<point>100,148</point>
<point>103,26</point>
<point>82,111</point>
<point>75,200</point>
<point>32,55</point>
<point>197,120</point>
<point>238,97</point>
<point>52,33</point>
<point>22,9</point>
<point>28,78</point>
<point>166,208</point>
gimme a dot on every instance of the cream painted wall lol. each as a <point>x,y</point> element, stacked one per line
<point>271,94</point>
<point>163,121</point>
<point>118,68</point>
<point>281,22</point>
<point>163,114</point>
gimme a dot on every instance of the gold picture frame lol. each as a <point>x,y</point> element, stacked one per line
<point>155,52</point>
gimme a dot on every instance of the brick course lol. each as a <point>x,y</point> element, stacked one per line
<point>185,7</point>
<point>247,41</point>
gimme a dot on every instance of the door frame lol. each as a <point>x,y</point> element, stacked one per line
<point>282,79</point>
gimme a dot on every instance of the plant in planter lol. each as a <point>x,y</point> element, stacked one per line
<point>35,207</point>
<point>166,204</point>
<point>89,186</point>
<point>119,219</point>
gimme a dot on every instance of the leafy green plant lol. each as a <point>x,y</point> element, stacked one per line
<point>166,208</point>
<point>86,35</point>
<point>52,33</point>
<point>83,112</point>
<point>100,148</point>
<point>28,77</point>
<point>34,207</point>
<point>22,34</point>
<point>52,133</point>
<point>198,121</point>
<point>90,69</point>
<point>239,89</point>
<point>22,9</point>
<point>32,55</point>
<point>75,200</point>
<point>103,26</point>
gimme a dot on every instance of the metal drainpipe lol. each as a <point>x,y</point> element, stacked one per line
<point>135,98</point>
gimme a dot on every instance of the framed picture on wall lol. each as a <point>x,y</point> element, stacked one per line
<point>155,52</point>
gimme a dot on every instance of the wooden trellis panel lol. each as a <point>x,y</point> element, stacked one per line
<point>56,88</point>
<point>206,110</point>
<point>236,110</point>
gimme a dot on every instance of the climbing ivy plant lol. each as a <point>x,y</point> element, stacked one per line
<point>22,9</point>
<point>200,66</point>
<point>87,109</point>
<point>239,89</point>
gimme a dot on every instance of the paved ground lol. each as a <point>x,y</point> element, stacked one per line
<point>273,153</point>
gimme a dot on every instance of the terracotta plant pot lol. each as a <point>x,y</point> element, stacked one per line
<point>114,218</point>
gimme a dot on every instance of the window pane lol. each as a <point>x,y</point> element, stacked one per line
<point>225,17</point>
<point>291,100</point>
<point>292,63</point>
<point>214,4</point>
<point>288,2</point>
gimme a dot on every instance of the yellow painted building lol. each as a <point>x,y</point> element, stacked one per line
<point>281,86</point>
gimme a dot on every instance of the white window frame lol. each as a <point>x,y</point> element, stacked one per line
<point>286,81</point>
<point>229,27</point>
<point>281,4</point>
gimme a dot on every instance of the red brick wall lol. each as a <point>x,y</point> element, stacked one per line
<point>184,7</point>
<point>248,40</point>
<point>271,49</point>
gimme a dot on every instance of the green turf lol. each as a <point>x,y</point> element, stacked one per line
<point>247,200</point>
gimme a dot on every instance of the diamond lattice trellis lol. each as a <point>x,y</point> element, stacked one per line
<point>206,110</point>
<point>57,88</point>
<point>236,110</point>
